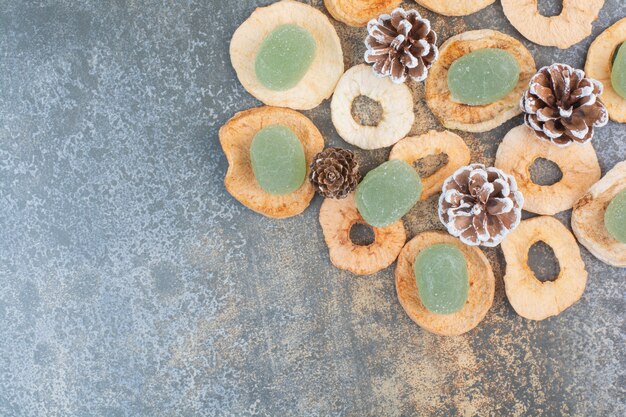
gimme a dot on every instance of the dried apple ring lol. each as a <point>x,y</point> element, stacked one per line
<point>599,66</point>
<point>396,101</point>
<point>337,218</point>
<point>358,12</point>
<point>588,218</point>
<point>455,7</point>
<point>482,285</point>
<point>236,137</point>
<point>530,297</point>
<point>412,148</point>
<point>579,164</point>
<point>322,72</point>
<point>570,27</point>
<point>456,115</point>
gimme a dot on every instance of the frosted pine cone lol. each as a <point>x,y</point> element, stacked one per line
<point>480,205</point>
<point>401,45</point>
<point>563,106</point>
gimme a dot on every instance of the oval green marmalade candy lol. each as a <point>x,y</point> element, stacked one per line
<point>483,76</point>
<point>618,71</point>
<point>277,158</point>
<point>615,217</point>
<point>442,278</point>
<point>388,192</point>
<point>284,57</point>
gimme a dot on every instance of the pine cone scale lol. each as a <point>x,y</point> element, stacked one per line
<point>497,206</point>
<point>462,221</point>
<point>421,31</point>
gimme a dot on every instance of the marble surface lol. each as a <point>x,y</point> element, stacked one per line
<point>133,284</point>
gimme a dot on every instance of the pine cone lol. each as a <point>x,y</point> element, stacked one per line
<point>563,106</point>
<point>335,172</point>
<point>401,45</point>
<point>480,205</point>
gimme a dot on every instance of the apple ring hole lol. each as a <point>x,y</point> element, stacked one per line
<point>545,172</point>
<point>550,8</point>
<point>366,111</point>
<point>362,234</point>
<point>430,164</point>
<point>543,262</point>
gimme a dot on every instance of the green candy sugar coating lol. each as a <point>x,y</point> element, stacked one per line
<point>442,278</point>
<point>277,158</point>
<point>388,192</point>
<point>284,57</point>
<point>483,76</point>
<point>615,217</point>
<point>618,71</point>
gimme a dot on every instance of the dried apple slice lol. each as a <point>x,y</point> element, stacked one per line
<point>413,148</point>
<point>236,137</point>
<point>578,163</point>
<point>455,115</point>
<point>588,218</point>
<point>568,28</point>
<point>337,218</point>
<point>396,101</point>
<point>599,66</point>
<point>531,298</point>
<point>358,12</point>
<point>455,7</point>
<point>482,285</point>
<point>318,83</point>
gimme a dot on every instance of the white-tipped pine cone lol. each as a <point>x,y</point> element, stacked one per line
<point>401,45</point>
<point>480,205</point>
<point>563,106</point>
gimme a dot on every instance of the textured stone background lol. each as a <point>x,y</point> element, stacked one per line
<point>132,284</point>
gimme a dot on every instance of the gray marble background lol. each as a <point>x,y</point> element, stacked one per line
<point>132,284</point>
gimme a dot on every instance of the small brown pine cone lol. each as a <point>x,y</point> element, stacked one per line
<point>401,45</point>
<point>563,106</point>
<point>335,172</point>
<point>480,205</point>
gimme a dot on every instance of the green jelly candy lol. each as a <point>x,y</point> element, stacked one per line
<point>615,217</point>
<point>618,71</point>
<point>442,279</point>
<point>277,158</point>
<point>483,76</point>
<point>388,192</point>
<point>284,57</point>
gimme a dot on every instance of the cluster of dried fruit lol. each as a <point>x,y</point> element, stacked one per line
<point>478,205</point>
